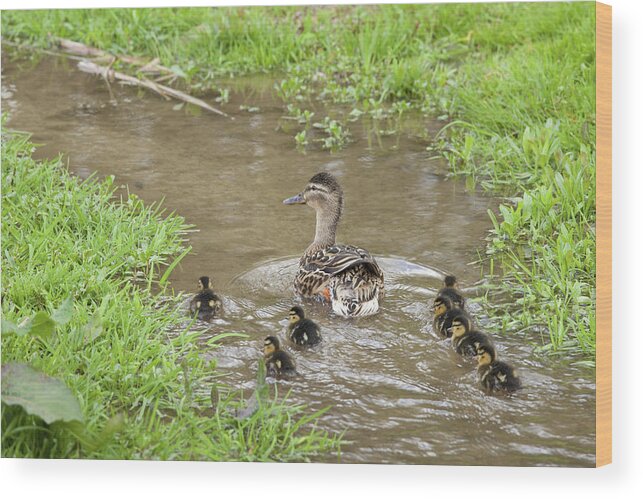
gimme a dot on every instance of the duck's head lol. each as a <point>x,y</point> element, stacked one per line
<point>485,355</point>
<point>323,193</point>
<point>449,281</point>
<point>441,304</point>
<point>460,325</point>
<point>270,345</point>
<point>295,314</point>
<point>204,283</point>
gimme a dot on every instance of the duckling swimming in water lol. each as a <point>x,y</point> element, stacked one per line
<point>302,331</point>
<point>465,340</point>
<point>450,291</point>
<point>495,375</point>
<point>444,310</point>
<point>205,303</point>
<point>278,363</point>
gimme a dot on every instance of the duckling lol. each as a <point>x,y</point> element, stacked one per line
<point>495,375</point>
<point>278,363</point>
<point>464,339</point>
<point>444,310</point>
<point>347,277</point>
<point>450,290</point>
<point>302,331</point>
<point>205,303</point>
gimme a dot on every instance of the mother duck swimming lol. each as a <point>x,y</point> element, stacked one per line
<point>346,276</point>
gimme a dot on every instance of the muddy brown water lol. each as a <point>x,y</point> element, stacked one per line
<point>400,394</point>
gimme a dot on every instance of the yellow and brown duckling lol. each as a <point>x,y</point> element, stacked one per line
<point>278,363</point>
<point>205,303</point>
<point>495,375</point>
<point>302,331</point>
<point>451,291</point>
<point>464,339</point>
<point>444,310</point>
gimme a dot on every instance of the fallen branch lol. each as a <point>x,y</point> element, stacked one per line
<point>36,48</point>
<point>111,75</point>
<point>77,48</point>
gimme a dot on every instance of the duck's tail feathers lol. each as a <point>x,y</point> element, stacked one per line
<point>355,297</point>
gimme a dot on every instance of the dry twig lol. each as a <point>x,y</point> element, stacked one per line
<point>111,75</point>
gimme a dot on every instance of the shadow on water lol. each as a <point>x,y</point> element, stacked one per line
<point>398,391</point>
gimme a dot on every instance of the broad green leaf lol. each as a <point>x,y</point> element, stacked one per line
<point>62,315</point>
<point>38,394</point>
<point>114,425</point>
<point>94,328</point>
<point>10,327</point>
<point>41,325</point>
<point>178,71</point>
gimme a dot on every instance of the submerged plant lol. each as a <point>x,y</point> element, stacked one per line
<point>336,134</point>
<point>301,139</point>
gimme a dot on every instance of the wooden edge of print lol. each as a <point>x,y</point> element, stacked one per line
<point>603,234</point>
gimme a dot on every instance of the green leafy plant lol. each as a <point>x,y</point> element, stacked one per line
<point>336,134</point>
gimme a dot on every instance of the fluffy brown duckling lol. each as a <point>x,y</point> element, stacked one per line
<point>451,291</point>
<point>444,310</point>
<point>302,331</point>
<point>464,339</point>
<point>495,375</point>
<point>205,303</point>
<point>278,363</point>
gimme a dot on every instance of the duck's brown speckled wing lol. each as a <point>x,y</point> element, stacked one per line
<point>336,259</point>
<point>316,270</point>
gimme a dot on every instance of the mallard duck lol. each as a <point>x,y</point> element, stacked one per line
<point>495,375</point>
<point>463,338</point>
<point>278,363</point>
<point>302,331</point>
<point>450,290</point>
<point>346,276</point>
<point>205,303</point>
<point>444,310</point>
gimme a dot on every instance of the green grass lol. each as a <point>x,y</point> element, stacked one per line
<point>515,82</point>
<point>65,238</point>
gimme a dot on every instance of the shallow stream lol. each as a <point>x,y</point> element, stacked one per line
<point>399,392</point>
